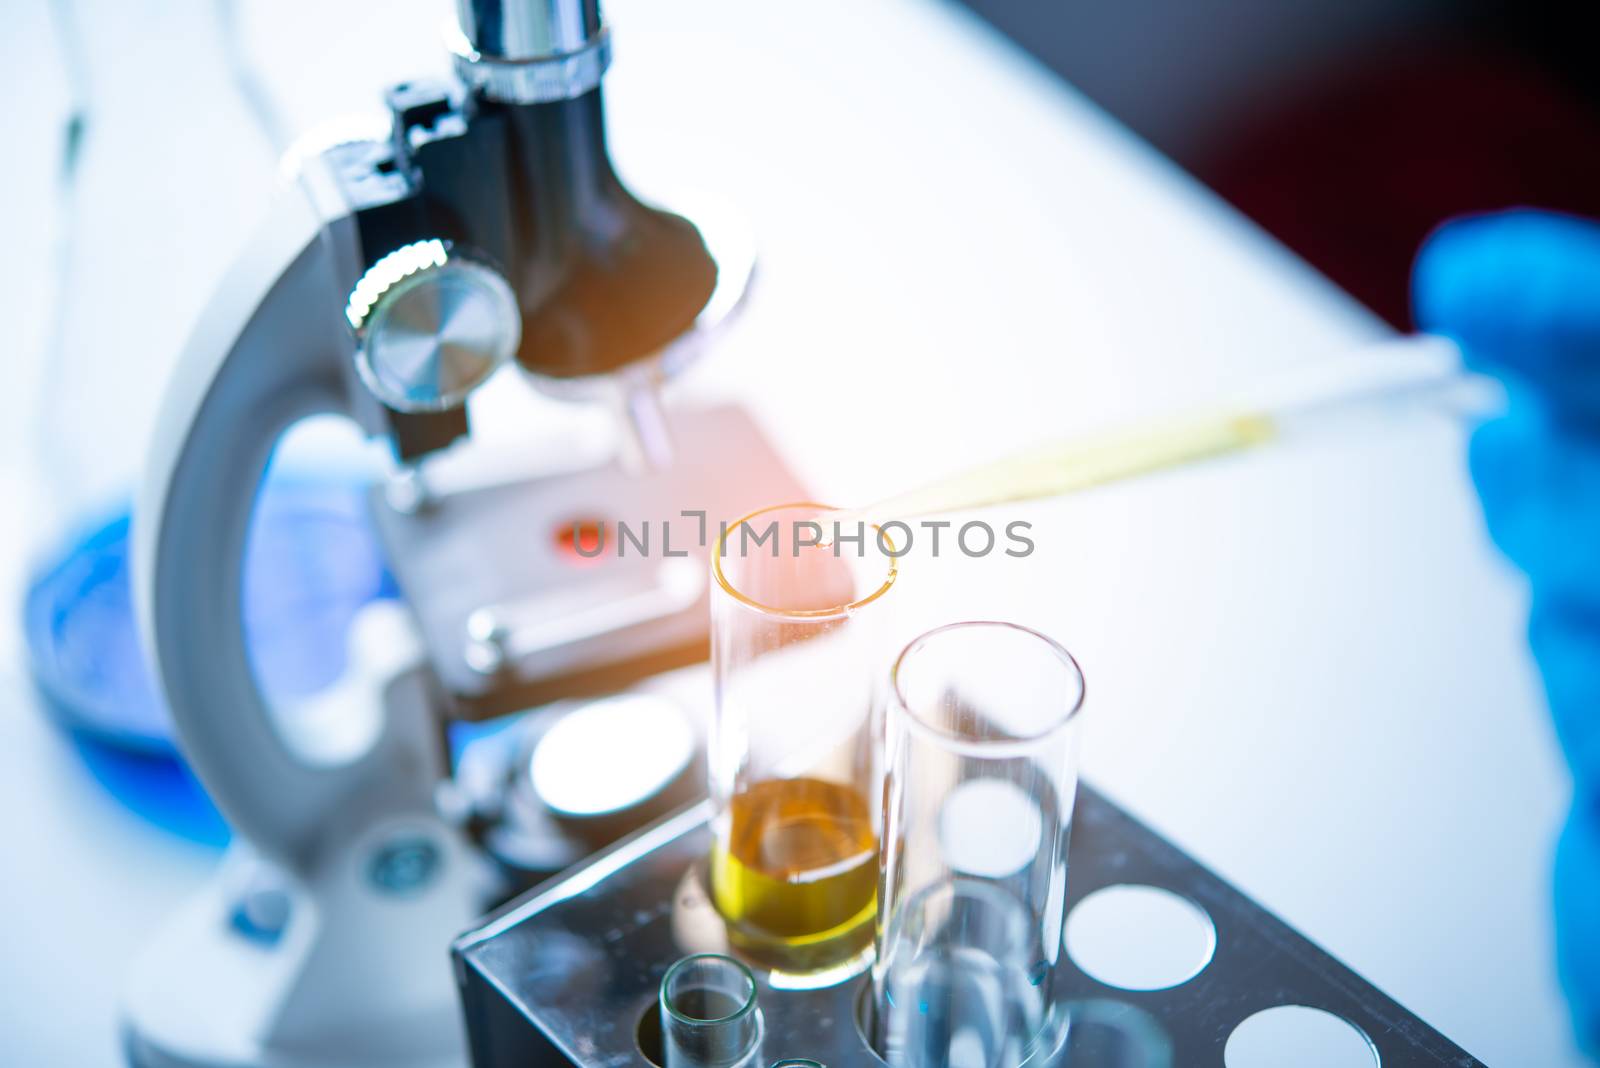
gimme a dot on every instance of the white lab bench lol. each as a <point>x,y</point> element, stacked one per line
<point>1305,667</point>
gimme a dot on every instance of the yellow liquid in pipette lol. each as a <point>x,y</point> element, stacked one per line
<point>1420,370</point>
<point>1076,465</point>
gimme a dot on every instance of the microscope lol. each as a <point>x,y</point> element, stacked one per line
<point>392,279</point>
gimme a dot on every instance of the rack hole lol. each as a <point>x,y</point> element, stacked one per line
<point>865,1015</point>
<point>1139,937</point>
<point>1301,1036</point>
<point>648,1034</point>
<point>1101,1031</point>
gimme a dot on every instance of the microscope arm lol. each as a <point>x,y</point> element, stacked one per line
<point>270,349</point>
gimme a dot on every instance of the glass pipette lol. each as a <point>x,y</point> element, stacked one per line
<point>1417,371</point>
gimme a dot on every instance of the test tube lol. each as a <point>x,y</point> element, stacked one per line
<point>708,1013</point>
<point>956,983</point>
<point>794,762</point>
<point>982,738</point>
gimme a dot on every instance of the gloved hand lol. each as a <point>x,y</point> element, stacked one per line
<point>1520,292</point>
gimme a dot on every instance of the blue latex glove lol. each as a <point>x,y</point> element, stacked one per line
<point>1520,291</point>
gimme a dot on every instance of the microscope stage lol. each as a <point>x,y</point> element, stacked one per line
<point>513,611</point>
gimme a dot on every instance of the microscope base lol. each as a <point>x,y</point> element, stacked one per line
<point>344,962</point>
<point>214,992</point>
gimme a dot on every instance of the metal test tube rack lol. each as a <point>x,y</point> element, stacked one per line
<point>566,974</point>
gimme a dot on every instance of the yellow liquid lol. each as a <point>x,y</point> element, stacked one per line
<point>797,879</point>
<point>1068,467</point>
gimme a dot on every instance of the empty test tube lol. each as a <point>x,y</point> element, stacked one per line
<point>956,992</point>
<point>708,1014</point>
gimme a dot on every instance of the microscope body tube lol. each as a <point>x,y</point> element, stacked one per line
<point>530,29</point>
<point>518,171</point>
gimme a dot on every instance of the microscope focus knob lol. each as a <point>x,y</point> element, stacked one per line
<point>432,323</point>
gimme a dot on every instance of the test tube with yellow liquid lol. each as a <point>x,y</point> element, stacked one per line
<point>798,654</point>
